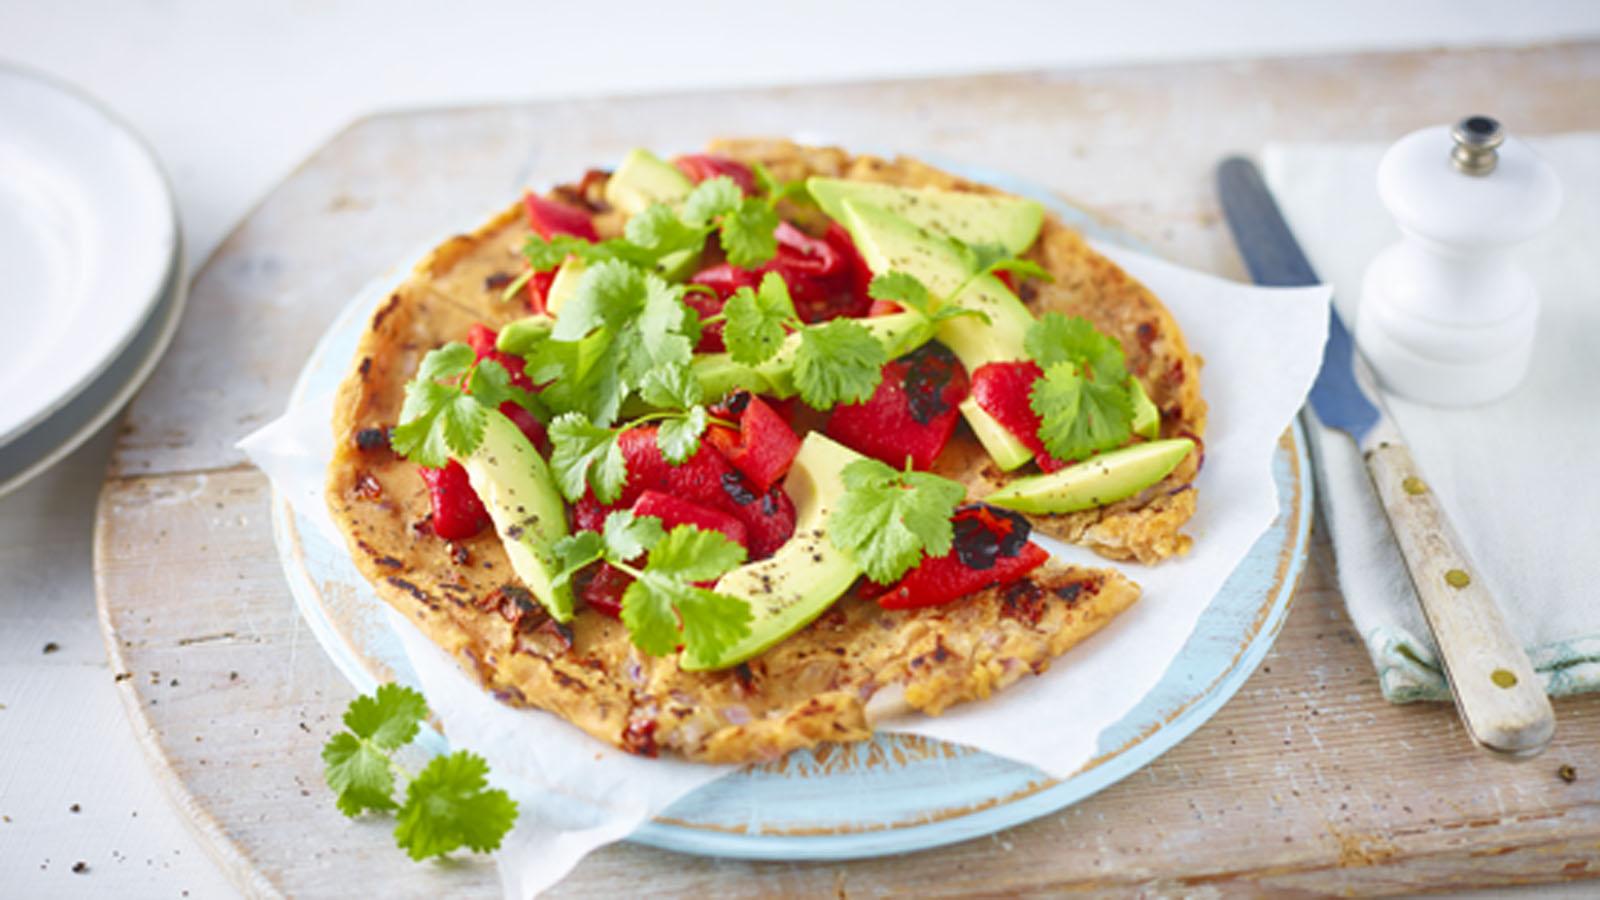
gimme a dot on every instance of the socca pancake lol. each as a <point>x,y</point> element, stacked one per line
<point>827,682</point>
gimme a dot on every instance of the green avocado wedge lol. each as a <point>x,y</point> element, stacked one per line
<point>891,243</point>
<point>643,179</point>
<point>808,573</point>
<point>1097,481</point>
<point>516,487</point>
<point>1146,418</point>
<point>1010,222</point>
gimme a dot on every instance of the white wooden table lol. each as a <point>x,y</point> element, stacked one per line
<point>64,739</point>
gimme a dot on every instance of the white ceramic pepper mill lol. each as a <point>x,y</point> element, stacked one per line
<point>1446,316</point>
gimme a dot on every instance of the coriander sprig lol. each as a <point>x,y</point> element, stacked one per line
<point>664,606</point>
<point>838,361</point>
<point>447,805</point>
<point>1085,400</point>
<point>585,453</point>
<point>889,520</point>
<point>446,405</point>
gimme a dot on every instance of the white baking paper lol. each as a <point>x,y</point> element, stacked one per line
<point>1261,349</point>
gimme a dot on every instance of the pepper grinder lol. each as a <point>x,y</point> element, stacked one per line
<point>1447,316</point>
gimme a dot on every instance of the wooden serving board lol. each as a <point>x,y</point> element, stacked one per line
<point>1307,781</point>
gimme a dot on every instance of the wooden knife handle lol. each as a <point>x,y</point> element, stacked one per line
<point>1495,688</point>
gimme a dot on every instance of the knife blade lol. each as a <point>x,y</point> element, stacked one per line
<point>1496,690</point>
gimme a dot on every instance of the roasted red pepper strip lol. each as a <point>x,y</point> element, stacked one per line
<point>991,547</point>
<point>457,512</point>
<point>827,279</point>
<point>675,511</point>
<point>482,340</point>
<point>764,445</point>
<point>912,412</point>
<point>701,166</point>
<point>600,585</point>
<point>1004,390</point>
<point>551,217</point>
<point>707,478</point>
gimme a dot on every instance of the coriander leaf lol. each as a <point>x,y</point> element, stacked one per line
<point>756,320</point>
<point>436,423</point>
<point>1055,338</point>
<point>663,594</point>
<point>671,387</point>
<point>544,254</point>
<point>491,386</point>
<point>838,361</point>
<point>695,554</point>
<point>679,437</point>
<point>447,362</point>
<point>359,774</point>
<point>662,325</point>
<point>450,805</point>
<point>711,198</point>
<point>628,536</point>
<point>983,257</point>
<point>712,622</point>
<point>902,288</point>
<point>583,453</point>
<point>389,718</point>
<point>647,611</point>
<point>1027,268</point>
<point>575,551</point>
<point>888,520</point>
<point>659,230</point>
<point>609,294</point>
<point>748,233</point>
<point>1080,417</point>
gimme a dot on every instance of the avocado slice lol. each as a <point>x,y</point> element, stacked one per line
<point>517,489</point>
<point>643,179</point>
<point>807,574</point>
<point>1002,446</point>
<point>1146,418</point>
<point>1096,481</point>
<point>1011,222</point>
<point>520,337</point>
<point>565,285</point>
<point>718,374</point>
<point>891,243</point>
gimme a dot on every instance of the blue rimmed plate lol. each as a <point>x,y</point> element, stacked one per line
<point>896,793</point>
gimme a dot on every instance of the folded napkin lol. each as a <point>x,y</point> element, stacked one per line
<point>1514,475</point>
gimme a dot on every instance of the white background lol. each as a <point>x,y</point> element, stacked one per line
<point>233,95</point>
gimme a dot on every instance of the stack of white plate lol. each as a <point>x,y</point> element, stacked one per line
<point>91,270</point>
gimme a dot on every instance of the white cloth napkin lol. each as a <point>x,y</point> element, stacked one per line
<point>1516,477</point>
<point>1260,346</point>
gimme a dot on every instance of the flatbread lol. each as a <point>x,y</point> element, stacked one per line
<point>826,683</point>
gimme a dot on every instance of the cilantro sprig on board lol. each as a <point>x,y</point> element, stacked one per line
<point>446,405</point>
<point>889,520</point>
<point>1085,400</point>
<point>665,607</point>
<point>838,361</point>
<point>448,805</point>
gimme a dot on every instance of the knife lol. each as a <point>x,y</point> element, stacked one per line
<point>1496,691</point>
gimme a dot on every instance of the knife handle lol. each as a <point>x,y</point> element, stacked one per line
<point>1493,682</point>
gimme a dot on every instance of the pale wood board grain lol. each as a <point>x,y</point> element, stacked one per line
<point>1306,781</point>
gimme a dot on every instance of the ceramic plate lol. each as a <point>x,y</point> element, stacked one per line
<point>893,794</point>
<point>64,430</point>
<point>88,243</point>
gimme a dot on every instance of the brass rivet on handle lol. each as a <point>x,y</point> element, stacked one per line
<point>1457,578</point>
<point>1503,678</point>
<point>1414,485</point>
